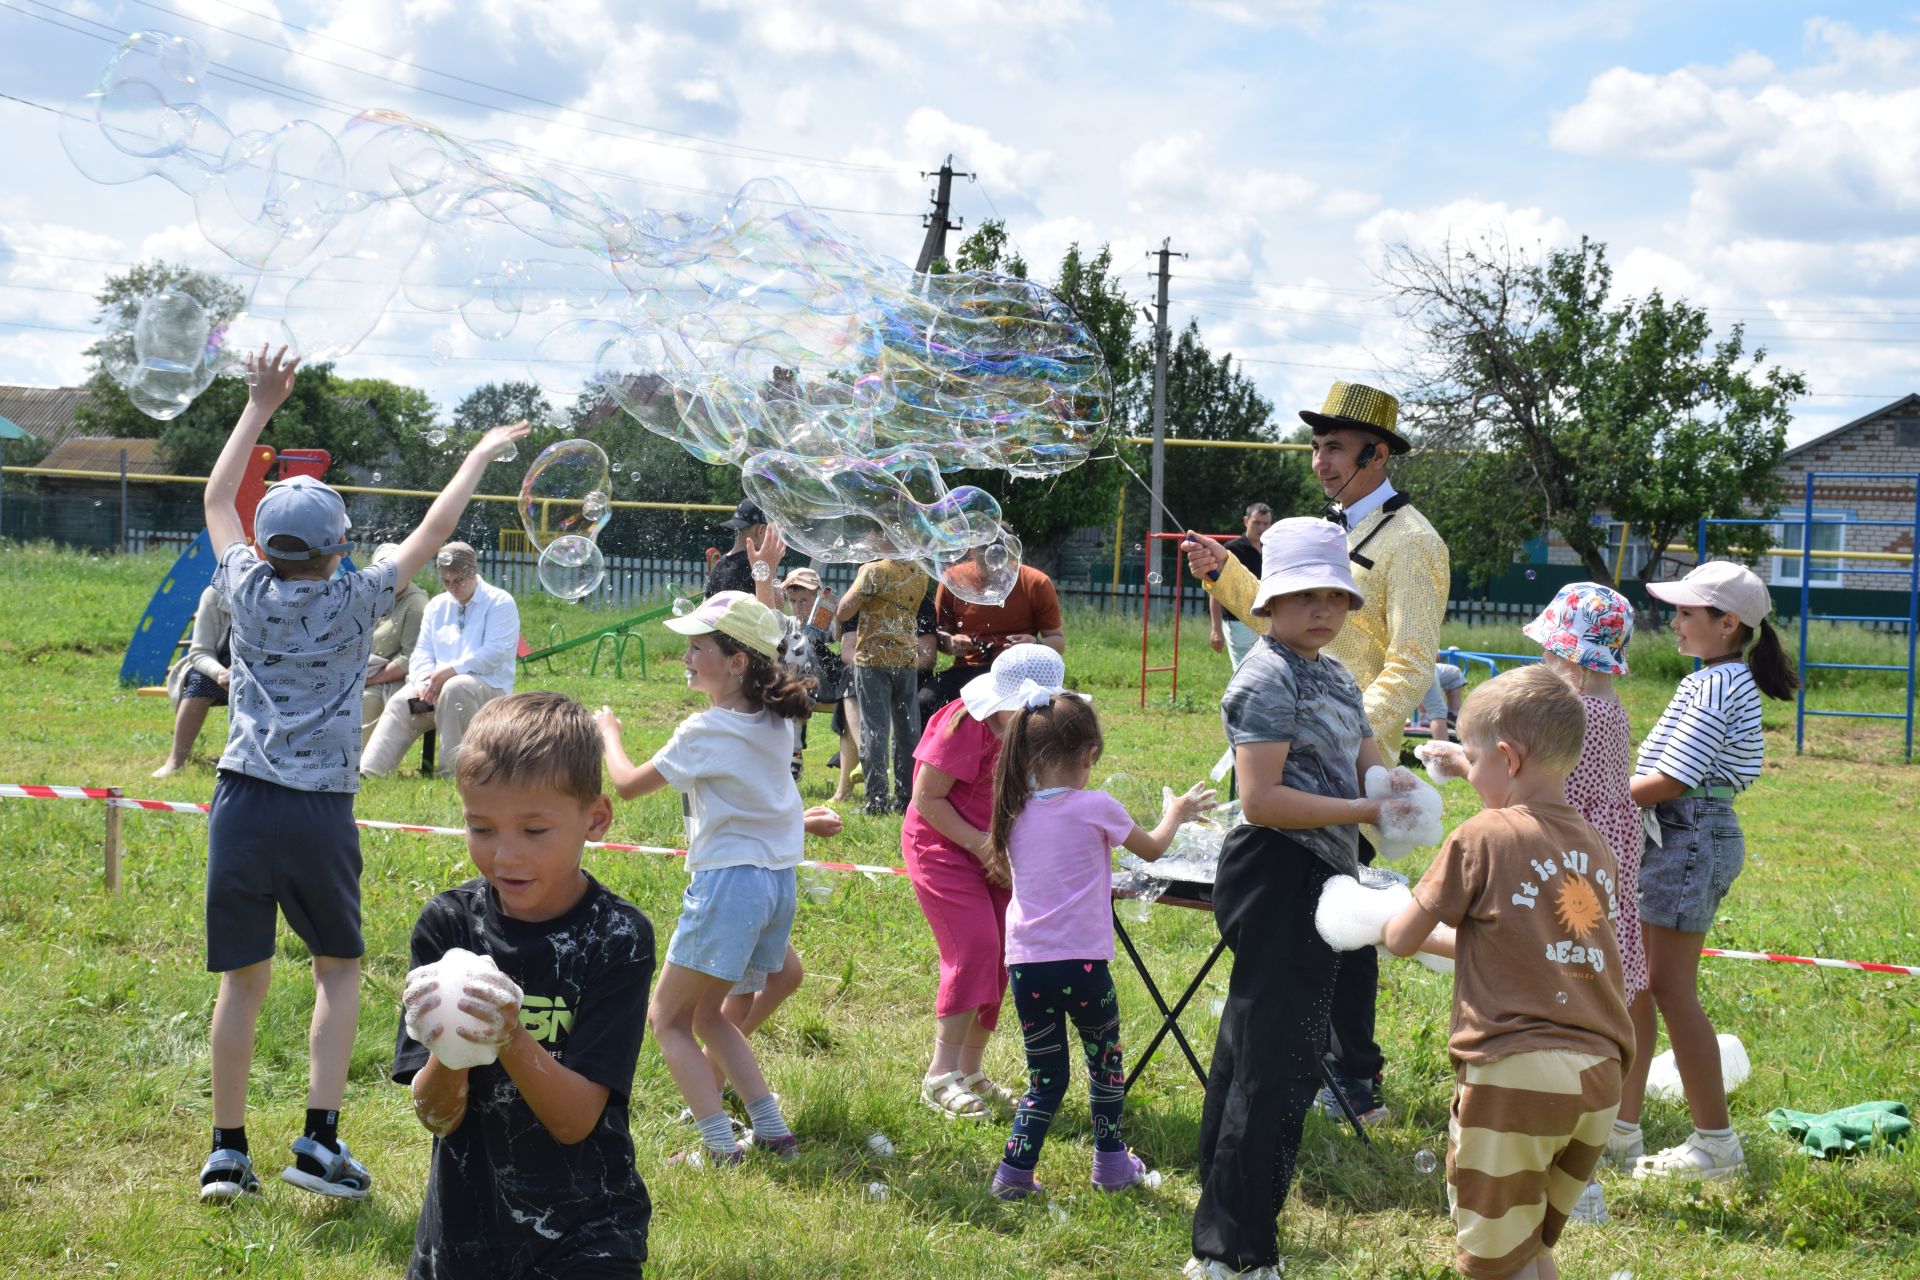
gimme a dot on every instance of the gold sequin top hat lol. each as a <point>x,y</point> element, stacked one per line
<point>1354,407</point>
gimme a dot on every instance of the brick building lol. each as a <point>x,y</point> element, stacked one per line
<point>1884,442</point>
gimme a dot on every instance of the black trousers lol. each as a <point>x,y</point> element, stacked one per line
<point>1351,1050</point>
<point>944,688</point>
<point>1265,1068</point>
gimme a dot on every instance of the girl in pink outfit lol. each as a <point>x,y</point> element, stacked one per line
<point>1056,838</point>
<point>945,842</point>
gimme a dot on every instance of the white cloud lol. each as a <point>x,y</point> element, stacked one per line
<point>1265,13</point>
<point>1461,222</point>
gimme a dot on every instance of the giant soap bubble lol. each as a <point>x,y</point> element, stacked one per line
<point>564,504</point>
<point>844,386</point>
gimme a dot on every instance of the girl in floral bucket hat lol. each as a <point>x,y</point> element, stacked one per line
<point>1585,632</point>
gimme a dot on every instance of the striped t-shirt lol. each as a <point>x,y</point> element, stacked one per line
<point>1710,731</point>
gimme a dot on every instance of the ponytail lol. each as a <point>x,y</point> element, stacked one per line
<point>1012,784</point>
<point>1768,662</point>
<point>770,685</point>
<point>1039,740</point>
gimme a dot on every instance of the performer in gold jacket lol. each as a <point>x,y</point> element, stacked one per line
<point>1401,568</point>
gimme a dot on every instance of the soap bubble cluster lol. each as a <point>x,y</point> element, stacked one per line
<point>844,386</point>
<point>563,507</point>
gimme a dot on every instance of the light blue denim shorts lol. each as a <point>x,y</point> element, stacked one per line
<point>1685,876</point>
<point>733,920</point>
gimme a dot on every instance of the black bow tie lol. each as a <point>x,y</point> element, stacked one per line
<point>1334,513</point>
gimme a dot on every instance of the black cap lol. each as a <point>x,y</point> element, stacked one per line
<point>745,516</point>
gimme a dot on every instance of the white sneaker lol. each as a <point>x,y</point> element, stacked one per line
<point>1698,1159</point>
<point>1624,1150</point>
<point>1590,1207</point>
<point>1213,1269</point>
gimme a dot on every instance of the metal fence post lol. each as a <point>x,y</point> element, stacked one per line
<point>115,816</point>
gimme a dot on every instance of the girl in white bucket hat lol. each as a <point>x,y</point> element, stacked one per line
<point>1705,749</point>
<point>947,844</point>
<point>1302,746</point>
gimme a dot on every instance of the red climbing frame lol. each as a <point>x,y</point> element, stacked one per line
<point>1146,611</point>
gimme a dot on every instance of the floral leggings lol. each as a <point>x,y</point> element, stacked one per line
<point>1048,996</point>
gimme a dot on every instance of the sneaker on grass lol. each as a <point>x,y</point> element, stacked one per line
<point>1698,1159</point>
<point>227,1175</point>
<point>341,1176</point>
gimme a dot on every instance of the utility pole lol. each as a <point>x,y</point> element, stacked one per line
<point>935,245</point>
<point>1164,253</point>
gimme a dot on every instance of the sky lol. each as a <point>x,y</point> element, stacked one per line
<point>1759,159</point>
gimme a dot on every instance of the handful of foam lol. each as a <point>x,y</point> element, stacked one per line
<point>434,1015</point>
<point>1351,915</point>
<point>1663,1076</point>
<point>1411,815</point>
<point>1445,761</point>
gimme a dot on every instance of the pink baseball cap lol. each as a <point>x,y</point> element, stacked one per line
<point>1723,585</point>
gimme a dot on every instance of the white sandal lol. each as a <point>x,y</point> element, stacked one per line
<point>986,1089</point>
<point>949,1095</point>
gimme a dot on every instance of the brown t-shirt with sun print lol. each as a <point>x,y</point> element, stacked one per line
<point>1532,891</point>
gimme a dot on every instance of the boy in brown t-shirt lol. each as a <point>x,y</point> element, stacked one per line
<point>1541,1035</point>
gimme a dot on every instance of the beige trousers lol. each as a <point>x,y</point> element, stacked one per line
<point>460,700</point>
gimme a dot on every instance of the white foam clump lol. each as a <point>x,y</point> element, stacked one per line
<point>1351,915</point>
<point>1411,816</point>
<point>439,1027</point>
<point>1663,1077</point>
<point>1445,761</point>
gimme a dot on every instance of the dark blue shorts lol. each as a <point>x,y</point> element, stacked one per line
<point>273,850</point>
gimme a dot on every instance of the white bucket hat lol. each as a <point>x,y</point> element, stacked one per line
<point>1025,675</point>
<point>1303,554</point>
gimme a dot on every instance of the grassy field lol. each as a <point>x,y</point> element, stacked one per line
<point>103,1065</point>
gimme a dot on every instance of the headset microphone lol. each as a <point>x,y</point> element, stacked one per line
<point>1332,510</point>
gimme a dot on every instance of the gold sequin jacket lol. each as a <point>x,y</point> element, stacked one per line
<point>1389,644</point>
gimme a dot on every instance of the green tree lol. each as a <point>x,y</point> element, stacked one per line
<point>1541,403</point>
<point>1209,399</point>
<point>493,403</point>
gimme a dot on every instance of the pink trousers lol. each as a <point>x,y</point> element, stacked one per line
<point>969,921</point>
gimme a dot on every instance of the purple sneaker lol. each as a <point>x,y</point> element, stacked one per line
<point>1010,1183</point>
<point>1120,1170</point>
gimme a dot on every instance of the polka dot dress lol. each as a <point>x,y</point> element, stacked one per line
<point>1598,789</point>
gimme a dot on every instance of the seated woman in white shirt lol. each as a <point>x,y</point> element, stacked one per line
<point>464,660</point>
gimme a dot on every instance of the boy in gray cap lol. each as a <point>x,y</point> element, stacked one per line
<point>281,833</point>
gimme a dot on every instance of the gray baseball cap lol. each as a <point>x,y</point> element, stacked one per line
<point>302,508</point>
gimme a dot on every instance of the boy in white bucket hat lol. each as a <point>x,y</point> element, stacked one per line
<point>1302,746</point>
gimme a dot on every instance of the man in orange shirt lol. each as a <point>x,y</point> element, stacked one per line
<point>974,633</point>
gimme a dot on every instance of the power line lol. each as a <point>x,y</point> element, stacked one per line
<point>735,151</point>
<point>300,97</point>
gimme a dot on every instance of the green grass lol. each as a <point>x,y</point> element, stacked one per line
<point>103,1068</point>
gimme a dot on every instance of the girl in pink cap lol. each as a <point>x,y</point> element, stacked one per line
<point>1705,749</point>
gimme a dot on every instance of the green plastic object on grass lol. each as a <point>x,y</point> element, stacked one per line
<point>1845,1131</point>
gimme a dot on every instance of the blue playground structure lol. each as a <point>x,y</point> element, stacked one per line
<point>1808,522</point>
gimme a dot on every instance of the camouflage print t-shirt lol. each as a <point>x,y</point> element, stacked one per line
<point>299,663</point>
<point>1278,696</point>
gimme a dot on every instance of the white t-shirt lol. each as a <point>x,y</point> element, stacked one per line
<point>1710,731</point>
<point>732,771</point>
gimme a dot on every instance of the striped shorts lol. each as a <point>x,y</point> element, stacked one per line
<point>1525,1136</point>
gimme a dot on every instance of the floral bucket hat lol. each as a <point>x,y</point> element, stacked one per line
<point>1588,624</point>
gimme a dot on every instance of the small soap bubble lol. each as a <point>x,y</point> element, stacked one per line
<point>1425,1161</point>
<point>876,1191</point>
<point>509,453</point>
<point>440,350</point>
<point>434,436</point>
<point>1155,578</point>
<point>816,884</point>
<point>1559,997</point>
<point>618,466</point>
<point>375,477</point>
<point>594,505</point>
<point>1135,909</point>
<point>1531,575</point>
<point>1746,1002</point>
<point>762,571</point>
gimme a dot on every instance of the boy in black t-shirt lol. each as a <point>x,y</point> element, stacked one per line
<point>533,1172</point>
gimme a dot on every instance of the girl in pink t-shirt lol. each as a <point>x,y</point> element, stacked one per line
<point>1056,840</point>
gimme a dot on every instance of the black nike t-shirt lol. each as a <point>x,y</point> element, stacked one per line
<point>504,1198</point>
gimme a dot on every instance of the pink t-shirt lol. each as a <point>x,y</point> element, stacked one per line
<point>1061,851</point>
<point>967,750</point>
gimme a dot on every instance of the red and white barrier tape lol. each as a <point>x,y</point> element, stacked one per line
<point>1910,970</point>
<point>12,791</point>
